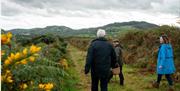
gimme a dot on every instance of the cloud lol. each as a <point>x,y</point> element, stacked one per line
<point>10,8</point>
<point>167,6</point>
<point>34,13</point>
<point>13,7</point>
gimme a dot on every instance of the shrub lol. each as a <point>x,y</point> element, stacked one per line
<point>27,69</point>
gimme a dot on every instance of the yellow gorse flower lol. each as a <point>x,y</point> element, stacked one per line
<point>8,41</point>
<point>23,55</point>
<point>24,86</point>
<point>9,35</point>
<point>34,49</point>
<point>25,51</point>
<point>7,77</point>
<point>41,86</point>
<point>47,86</point>
<point>17,56</point>
<point>12,56</point>
<point>7,62</point>
<point>17,63</point>
<point>24,61</point>
<point>8,72</point>
<point>64,63</point>
<point>31,58</point>
<point>5,38</point>
<point>9,58</point>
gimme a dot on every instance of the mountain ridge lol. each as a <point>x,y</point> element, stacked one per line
<point>66,31</point>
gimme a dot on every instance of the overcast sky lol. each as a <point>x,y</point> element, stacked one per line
<point>86,13</point>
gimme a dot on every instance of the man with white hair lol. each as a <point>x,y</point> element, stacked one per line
<point>101,58</point>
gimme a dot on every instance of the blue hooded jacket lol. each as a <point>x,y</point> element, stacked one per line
<point>165,59</point>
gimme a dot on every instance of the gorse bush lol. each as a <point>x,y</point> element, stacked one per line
<point>80,43</point>
<point>55,51</point>
<point>54,47</point>
<point>140,47</point>
<point>29,68</point>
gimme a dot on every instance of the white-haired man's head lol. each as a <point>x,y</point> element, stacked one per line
<point>101,33</point>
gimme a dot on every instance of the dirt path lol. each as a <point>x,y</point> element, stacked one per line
<point>78,58</point>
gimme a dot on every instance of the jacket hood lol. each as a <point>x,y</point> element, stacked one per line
<point>100,39</point>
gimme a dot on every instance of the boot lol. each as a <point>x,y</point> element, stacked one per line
<point>171,88</point>
<point>155,85</point>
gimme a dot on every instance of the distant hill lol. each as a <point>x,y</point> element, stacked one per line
<point>66,31</point>
<point>40,31</point>
<point>116,27</point>
<point>3,31</point>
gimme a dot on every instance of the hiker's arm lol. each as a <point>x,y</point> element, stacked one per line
<point>89,59</point>
<point>117,51</point>
<point>163,52</point>
<point>113,58</point>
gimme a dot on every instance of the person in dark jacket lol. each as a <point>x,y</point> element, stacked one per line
<point>119,58</point>
<point>101,58</point>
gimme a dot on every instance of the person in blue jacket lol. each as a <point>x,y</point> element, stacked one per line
<point>165,62</point>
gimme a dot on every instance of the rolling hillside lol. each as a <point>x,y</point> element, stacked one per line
<point>66,31</point>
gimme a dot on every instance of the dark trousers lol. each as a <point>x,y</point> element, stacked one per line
<point>103,83</point>
<point>121,76</point>
<point>168,77</point>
